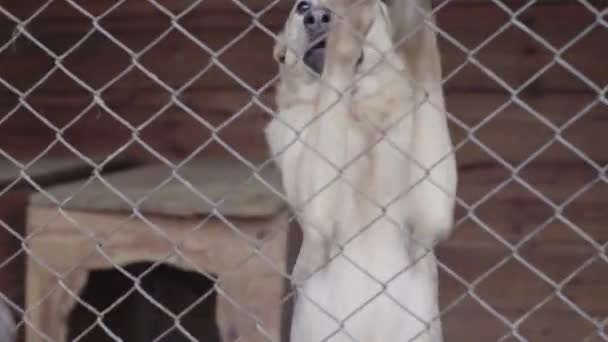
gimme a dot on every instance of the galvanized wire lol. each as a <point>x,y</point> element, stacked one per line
<point>21,30</point>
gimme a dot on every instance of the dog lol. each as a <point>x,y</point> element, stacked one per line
<point>367,164</point>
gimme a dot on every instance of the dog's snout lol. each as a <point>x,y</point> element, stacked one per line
<point>317,20</point>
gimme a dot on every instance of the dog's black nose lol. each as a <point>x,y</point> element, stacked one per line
<point>317,20</point>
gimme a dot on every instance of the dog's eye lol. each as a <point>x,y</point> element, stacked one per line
<point>303,7</point>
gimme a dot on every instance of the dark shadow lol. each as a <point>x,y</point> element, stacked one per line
<point>134,318</point>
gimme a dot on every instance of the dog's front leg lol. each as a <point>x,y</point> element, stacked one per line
<point>433,171</point>
<point>322,165</point>
<point>352,21</point>
<point>328,134</point>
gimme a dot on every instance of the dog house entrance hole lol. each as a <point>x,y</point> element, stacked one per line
<point>132,317</point>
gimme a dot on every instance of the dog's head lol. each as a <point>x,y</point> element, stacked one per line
<point>304,36</point>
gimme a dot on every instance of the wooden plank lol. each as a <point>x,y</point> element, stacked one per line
<point>544,326</point>
<point>513,55</point>
<point>14,195</point>
<point>45,170</point>
<point>65,11</point>
<point>214,247</point>
<point>12,229</point>
<point>176,60</point>
<point>25,8</point>
<point>514,212</point>
<point>178,133</point>
<point>205,186</point>
<point>514,288</point>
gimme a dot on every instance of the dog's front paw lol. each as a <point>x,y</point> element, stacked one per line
<point>355,17</point>
<point>352,22</point>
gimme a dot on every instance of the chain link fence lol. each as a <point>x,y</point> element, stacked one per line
<point>157,80</point>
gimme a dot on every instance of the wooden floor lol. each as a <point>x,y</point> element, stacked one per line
<point>530,131</point>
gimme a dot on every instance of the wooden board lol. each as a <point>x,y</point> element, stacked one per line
<point>47,170</point>
<point>196,189</point>
<point>237,117</point>
<point>514,212</point>
<point>514,55</point>
<point>14,193</point>
<point>12,229</point>
<point>513,290</point>
<point>105,240</point>
<point>513,132</point>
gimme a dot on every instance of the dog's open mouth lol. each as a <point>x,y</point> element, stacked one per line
<point>314,57</point>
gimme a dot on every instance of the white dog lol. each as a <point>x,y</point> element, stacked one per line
<point>362,142</point>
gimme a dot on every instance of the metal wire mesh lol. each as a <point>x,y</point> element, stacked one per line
<point>498,171</point>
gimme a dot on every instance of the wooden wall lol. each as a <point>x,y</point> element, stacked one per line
<point>530,119</point>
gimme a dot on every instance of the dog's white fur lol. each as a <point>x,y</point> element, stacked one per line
<point>370,173</point>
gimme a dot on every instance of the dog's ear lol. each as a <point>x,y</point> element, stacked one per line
<point>280,49</point>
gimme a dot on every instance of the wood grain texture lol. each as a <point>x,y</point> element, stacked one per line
<point>47,171</point>
<point>216,101</point>
<point>15,190</point>
<point>77,242</point>
<point>513,53</point>
<point>514,290</point>
<point>227,122</point>
<point>552,207</point>
<point>12,231</point>
<point>197,189</point>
